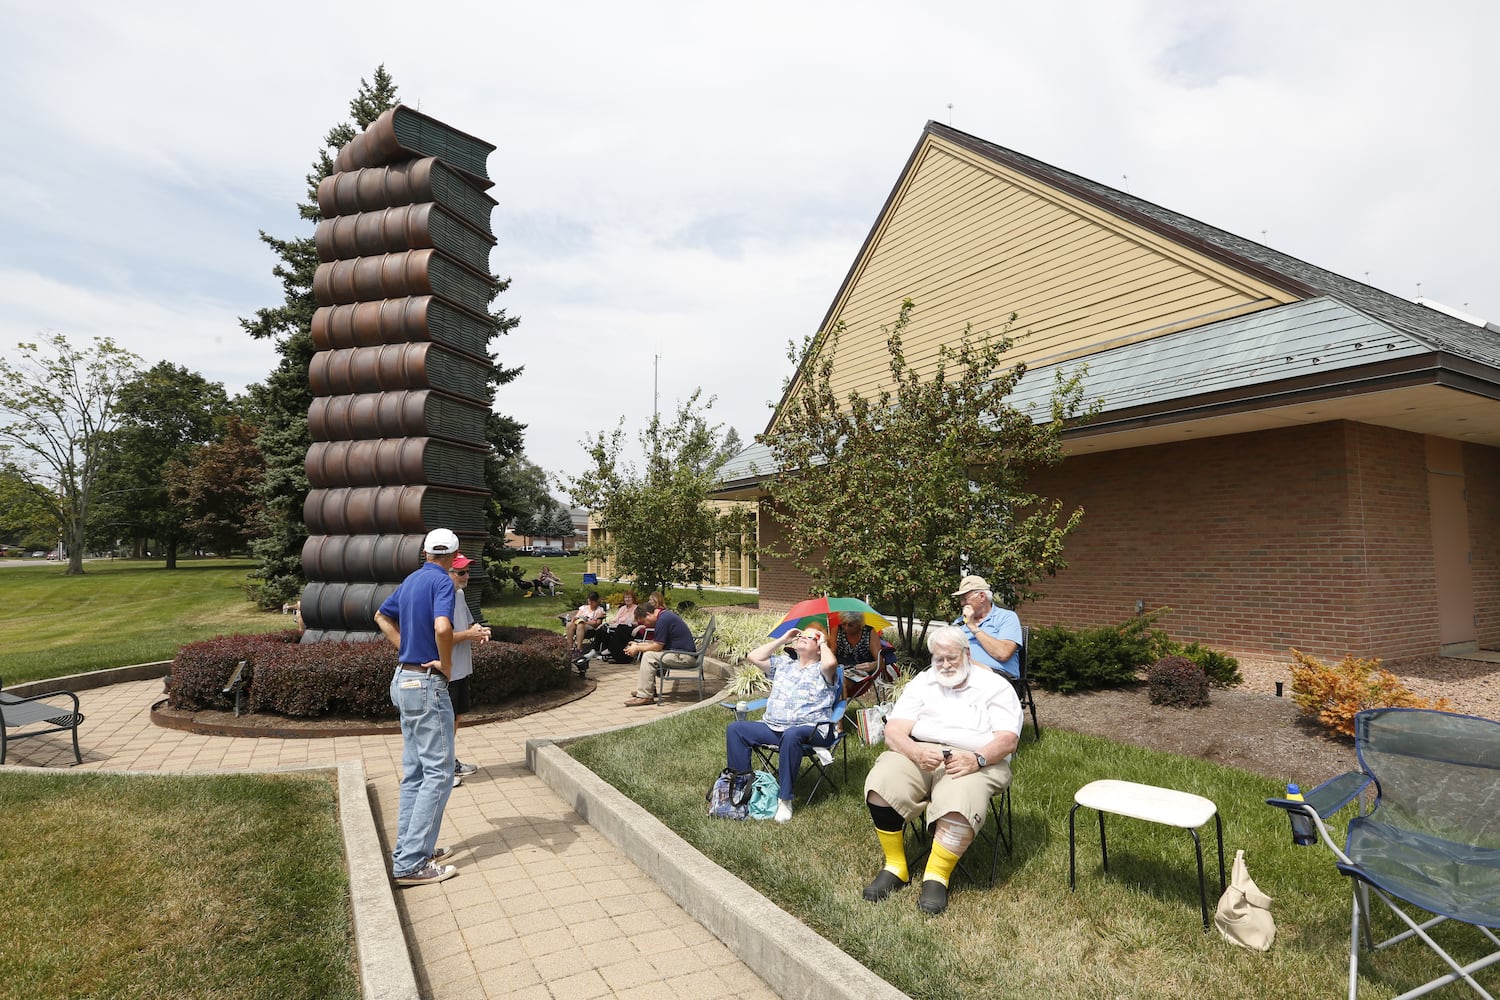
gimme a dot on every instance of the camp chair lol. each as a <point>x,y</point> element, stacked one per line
<point>1431,836</point>
<point>997,832</point>
<point>885,671</point>
<point>674,664</point>
<point>1022,684</point>
<point>768,752</point>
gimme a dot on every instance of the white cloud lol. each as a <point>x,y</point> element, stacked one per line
<point>693,180</point>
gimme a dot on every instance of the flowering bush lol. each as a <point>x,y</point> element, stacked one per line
<point>351,678</point>
<point>1335,695</point>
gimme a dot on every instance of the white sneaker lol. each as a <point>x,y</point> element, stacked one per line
<point>783,810</point>
<point>428,874</point>
<point>458,782</point>
<point>824,755</point>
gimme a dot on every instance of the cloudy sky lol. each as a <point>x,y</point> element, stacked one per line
<point>691,181</point>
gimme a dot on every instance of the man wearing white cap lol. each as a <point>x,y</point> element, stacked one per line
<point>418,621</point>
<point>994,632</point>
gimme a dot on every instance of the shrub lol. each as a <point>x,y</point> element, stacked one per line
<point>1111,656</point>
<point>1177,680</point>
<point>1221,669</point>
<point>1335,695</point>
<point>352,678</point>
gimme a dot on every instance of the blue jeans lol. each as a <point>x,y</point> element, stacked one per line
<point>426,766</point>
<point>741,736</point>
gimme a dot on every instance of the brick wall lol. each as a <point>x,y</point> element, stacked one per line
<point>1482,486</point>
<point>782,584</point>
<point>1315,537</point>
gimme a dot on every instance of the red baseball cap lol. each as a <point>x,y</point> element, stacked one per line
<point>461,560</point>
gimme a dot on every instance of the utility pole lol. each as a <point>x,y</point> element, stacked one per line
<point>655,368</point>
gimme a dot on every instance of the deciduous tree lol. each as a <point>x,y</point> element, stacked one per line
<point>215,489</point>
<point>59,404</point>
<point>660,526</point>
<point>896,495</point>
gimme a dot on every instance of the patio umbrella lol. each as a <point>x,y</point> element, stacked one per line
<point>819,609</point>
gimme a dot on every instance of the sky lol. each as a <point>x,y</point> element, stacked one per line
<point>683,186</point>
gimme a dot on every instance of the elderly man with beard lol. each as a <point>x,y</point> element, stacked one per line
<point>950,736</point>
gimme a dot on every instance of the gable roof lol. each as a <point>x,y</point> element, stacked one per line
<point>1334,348</point>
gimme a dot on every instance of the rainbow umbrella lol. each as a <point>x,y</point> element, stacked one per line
<point>819,609</point>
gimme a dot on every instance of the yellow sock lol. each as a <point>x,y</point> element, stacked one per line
<point>894,845</point>
<point>940,863</point>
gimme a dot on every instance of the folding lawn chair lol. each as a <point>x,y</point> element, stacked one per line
<point>768,752</point>
<point>1431,837</point>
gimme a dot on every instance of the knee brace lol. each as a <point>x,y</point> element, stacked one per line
<point>954,834</point>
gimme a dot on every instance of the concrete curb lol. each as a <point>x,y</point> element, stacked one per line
<point>795,961</point>
<point>381,953</point>
<point>93,679</point>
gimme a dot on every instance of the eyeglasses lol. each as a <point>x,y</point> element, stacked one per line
<point>459,572</point>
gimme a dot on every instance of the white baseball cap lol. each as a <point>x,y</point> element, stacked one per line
<point>440,542</point>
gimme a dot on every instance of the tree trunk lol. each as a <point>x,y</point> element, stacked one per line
<point>172,555</point>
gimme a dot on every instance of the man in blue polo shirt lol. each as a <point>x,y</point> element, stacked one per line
<point>994,632</point>
<point>670,635</point>
<point>418,621</point>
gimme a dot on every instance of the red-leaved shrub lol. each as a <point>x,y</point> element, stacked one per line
<point>352,678</point>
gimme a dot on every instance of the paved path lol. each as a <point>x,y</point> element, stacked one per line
<point>543,906</point>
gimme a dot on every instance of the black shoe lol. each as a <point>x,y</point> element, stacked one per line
<point>934,898</point>
<point>885,883</point>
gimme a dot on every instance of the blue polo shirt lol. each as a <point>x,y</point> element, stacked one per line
<point>423,597</point>
<point>1001,623</point>
<point>673,634</point>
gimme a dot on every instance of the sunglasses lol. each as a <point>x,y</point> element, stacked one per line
<point>459,572</point>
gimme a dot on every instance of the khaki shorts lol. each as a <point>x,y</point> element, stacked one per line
<point>909,789</point>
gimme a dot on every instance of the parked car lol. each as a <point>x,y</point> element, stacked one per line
<point>552,550</point>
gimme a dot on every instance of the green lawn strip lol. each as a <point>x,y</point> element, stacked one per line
<point>1135,931</point>
<point>119,613</point>
<point>142,887</point>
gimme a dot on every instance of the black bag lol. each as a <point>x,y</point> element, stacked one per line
<point>729,798</point>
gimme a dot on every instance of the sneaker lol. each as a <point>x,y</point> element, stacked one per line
<point>427,874</point>
<point>783,811</point>
<point>824,755</point>
<point>458,782</point>
<point>464,770</point>
<point>440,855</point>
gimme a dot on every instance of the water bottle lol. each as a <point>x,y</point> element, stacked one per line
<point>1303,831</point>
<point>741,711</point>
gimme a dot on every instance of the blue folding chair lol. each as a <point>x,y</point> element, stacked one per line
<point>768,752</point>
<point>1431,836</point>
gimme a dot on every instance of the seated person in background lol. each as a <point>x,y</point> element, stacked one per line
<point>799,710</point>
<point>994,632</point>
<point>859,652</point>
<point>518,577</point>
<point>617,630</point>
<point>584,622</point>
<point>950,737</point>
<point>669,634</point>
<point>546,580</point>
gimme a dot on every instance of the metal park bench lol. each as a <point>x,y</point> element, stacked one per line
<point>16,712</point>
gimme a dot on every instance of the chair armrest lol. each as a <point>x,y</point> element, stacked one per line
<point>1329,797</point>
<point>750,706</point>
<point>11,699</point>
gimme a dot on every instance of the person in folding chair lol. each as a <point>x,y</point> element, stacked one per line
<point>804,688</point>
<point>863,656</point>
<point>950,736</point>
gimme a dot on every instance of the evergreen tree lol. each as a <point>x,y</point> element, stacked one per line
<point>283,399</point>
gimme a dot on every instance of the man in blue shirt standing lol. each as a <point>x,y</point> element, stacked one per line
<point>670,635</point>
<point>994,632</point>
<point>418,621</point>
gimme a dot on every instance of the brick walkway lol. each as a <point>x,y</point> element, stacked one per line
<point>543,906</point>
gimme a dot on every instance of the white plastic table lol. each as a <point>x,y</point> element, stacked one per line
<point>1154,805</point>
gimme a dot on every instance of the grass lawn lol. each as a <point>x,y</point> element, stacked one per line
<point>143,887</point>
<point>119,613</point>
<point>127,611</point>
<point>1135,931</point>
